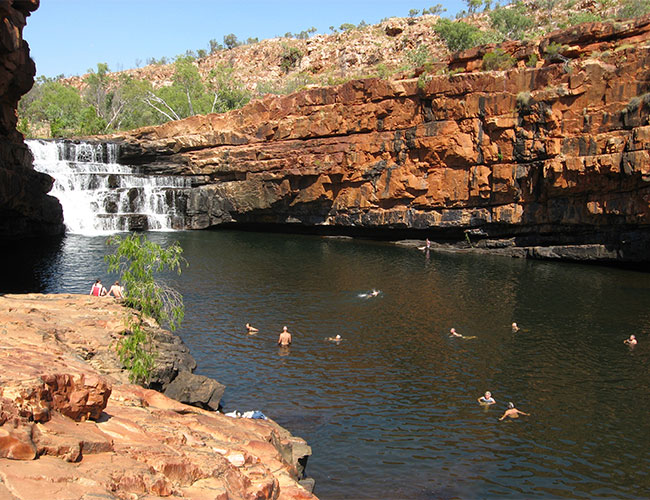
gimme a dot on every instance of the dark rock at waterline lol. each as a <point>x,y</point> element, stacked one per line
<point>196,390</point>
<point>172,358</point>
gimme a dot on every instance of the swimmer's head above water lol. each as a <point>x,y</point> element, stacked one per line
<point>511,405</point>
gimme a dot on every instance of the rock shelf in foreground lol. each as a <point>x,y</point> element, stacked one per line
<point>72,428</point>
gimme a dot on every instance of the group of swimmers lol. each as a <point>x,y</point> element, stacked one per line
<point>284,339</point>
<point>487,399</point>
<point>98,290</point>
<point>511,412</point>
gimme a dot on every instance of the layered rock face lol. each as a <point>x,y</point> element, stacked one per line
<point>556,155</point>
<point>25,207</point>
<point>70,428</point>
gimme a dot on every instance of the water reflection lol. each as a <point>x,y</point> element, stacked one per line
<point>391,411</point>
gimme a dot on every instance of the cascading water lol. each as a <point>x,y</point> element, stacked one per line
<point>100,196</point>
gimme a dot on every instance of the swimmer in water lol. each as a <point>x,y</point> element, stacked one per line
<point>515,328</point>
<point>251,329</point>
<point>487,399</point>
<point>453,333</point>
<point>631,341</point>
<point>338,338</point>
<point>285,337</point>
<point>374,293</point>
<point>512,412</point>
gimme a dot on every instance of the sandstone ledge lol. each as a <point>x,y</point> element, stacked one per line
<point>71,428</point>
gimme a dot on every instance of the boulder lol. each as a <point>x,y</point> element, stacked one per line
<point>195,390</point>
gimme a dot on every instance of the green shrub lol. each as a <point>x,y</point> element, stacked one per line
<point>524,100</point>
<point>423,80</point>
<point>498,59</point>
<point>459,35</point>
<point>583,17</point>
<point>418,57</point>
<point>554,50</point>
<point>511,21</point>
<point>290,58</point>
<point>532,61</point>
<point>634,8</point>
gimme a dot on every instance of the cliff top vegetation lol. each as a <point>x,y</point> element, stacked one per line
<point>227,75</point>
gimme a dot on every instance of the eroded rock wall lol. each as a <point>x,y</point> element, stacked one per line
<point>25,208</point>
<point>552,155</point>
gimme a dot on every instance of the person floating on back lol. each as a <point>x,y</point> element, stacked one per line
<point>487,399</point>
<point>98,289</point>
<point>251,329</point>
<point>630,341</point>
<point>285,337</point>
<point>454,333</point>
<point>512,412</point>
<point>116,290</point>
<point>336,339</point>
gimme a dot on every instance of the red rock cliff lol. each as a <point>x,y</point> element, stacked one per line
<point>25,207</point>
<point>551,157</point>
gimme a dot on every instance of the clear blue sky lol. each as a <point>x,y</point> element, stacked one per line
<point>70,36</point>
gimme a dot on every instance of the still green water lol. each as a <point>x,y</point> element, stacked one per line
<point>391,411</point>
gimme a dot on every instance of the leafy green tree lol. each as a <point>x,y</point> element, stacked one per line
<point>473,5</point>
<point>97,92</point>
<point>347,27</point>
<point>54,104</point>
<point>414,12</point>
<point>228,92</point>
<point>434,10</point>
<point>215,46</point>
<point>135,112</point>
<point>90,123</point>
<point>139,262</point>
<point>230,41</point>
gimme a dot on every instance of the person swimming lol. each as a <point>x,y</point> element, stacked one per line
<point>631,341</point>
<point>251,329</point>
<point>512,412</point>
<point>285,337</point>
<point>515,328</point>
<point>453,333</point>
<point>487,399</point>
<point>368,295</point>
<point>338,338</point>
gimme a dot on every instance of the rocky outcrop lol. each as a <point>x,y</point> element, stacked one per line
<point>552,155</point>
<point>25,207</point>
<point>71,428</point>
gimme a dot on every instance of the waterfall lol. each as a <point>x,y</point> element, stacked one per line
<point>100,196</point>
